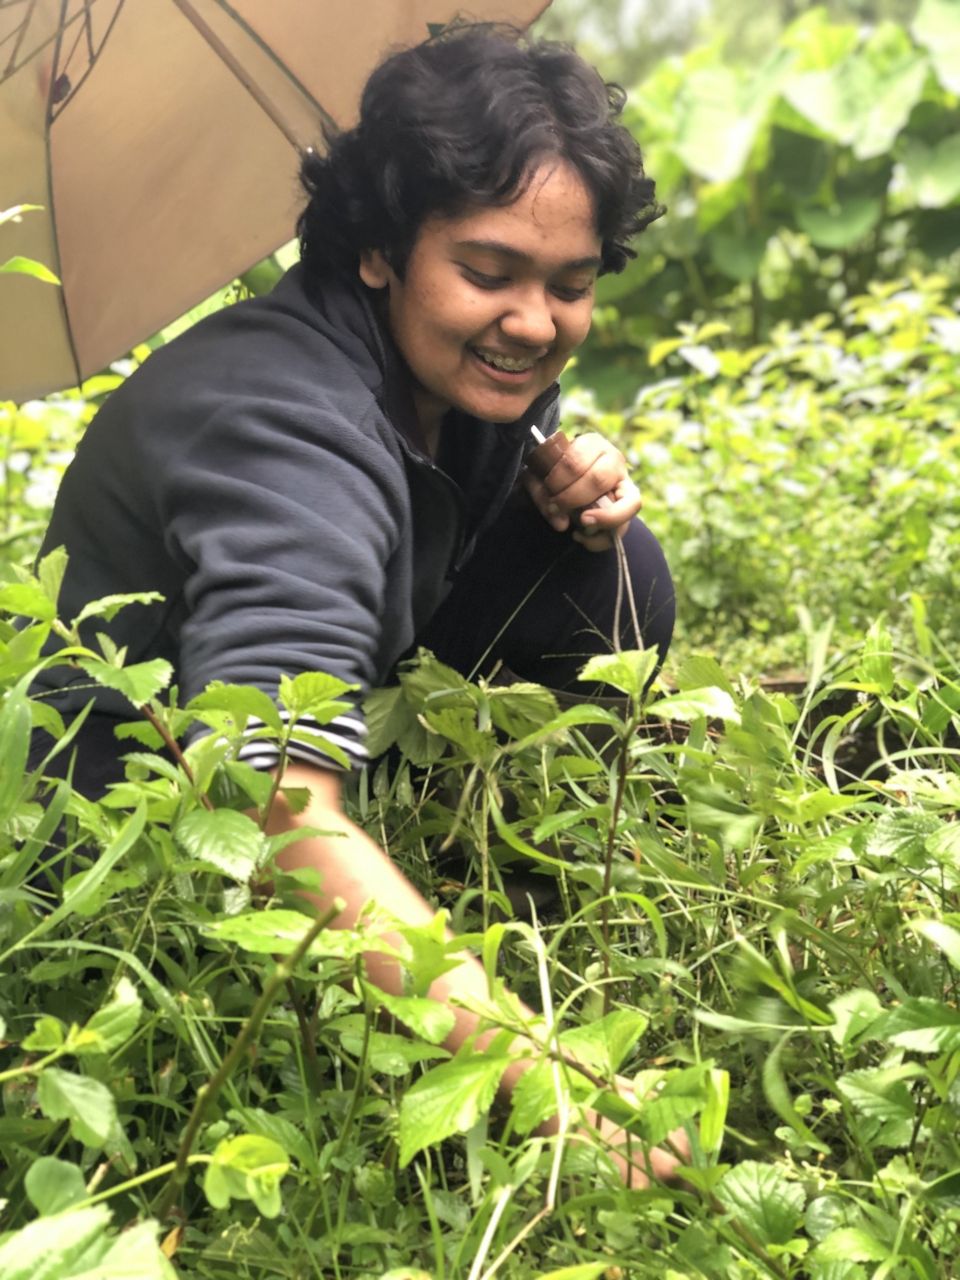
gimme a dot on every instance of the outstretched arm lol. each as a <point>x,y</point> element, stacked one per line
<point>355,869</point>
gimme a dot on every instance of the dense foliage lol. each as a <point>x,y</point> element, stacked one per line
<point>745,884</point>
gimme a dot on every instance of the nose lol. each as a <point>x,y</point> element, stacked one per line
<point>529,320</point>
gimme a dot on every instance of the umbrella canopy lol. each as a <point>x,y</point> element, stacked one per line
<point>160,137</point>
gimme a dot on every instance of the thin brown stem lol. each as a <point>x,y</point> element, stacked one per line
<point>170,742</point>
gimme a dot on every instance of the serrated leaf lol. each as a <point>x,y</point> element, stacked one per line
<point>762,1198</point>
<point>87,1104</point>
<point>695,704</point>
<point>138,683</point>
<point>607,1042</point>
<point>629,671</point>
<point>238,701</point>
<point>447,1100</point>
<point>428,1019</point>
<point>226,839</point>
<point>53,1249</point>
<point>107,607</point>
<point>316,694</point>
<point>921,1024</point>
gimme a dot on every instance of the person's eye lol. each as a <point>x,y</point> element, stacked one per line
<point>482,280</point>
<point>568,293</point>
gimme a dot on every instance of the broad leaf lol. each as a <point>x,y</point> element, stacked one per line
<point>53,1185</point>
<point>447,1100</point>
<point>762,1198</point>
<point>247,1167</point>
<point>225,838</point>
<point>427,1018</point>
<point>87,1104</point>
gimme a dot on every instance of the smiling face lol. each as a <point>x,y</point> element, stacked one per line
<point>494,301</point>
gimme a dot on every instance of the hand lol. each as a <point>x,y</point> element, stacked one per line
<point>591,478</point>
<point>637,1168</point>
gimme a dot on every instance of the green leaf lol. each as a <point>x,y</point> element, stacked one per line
<point>27,600</point>
<point>426,1018</point>
<point>696,704</point>
<point>853,1012</point>
<point>943,936</point>
<point>138,683</point>
<point>116,1022</point>
<point>282,931</point>
<point>937,28</point>
<point>53,1185</point>
<point>606,1043</point>
<point>19,265</point>
<point>852,1244</point>
<point>447,1100</point>
<point>579,1271</point>
<point>54,1248</point>
<point>714,1115</point>
<point>842,225</point>
<point>933,173</point>
<point>628,671</point>
<point>239,702</point>
<point>230,841</point>
<point>87,1104</point>
<point>15,725</point>
<point>778,1095</point>
<point>762,1198</point>
<point>921,1024</point>
<point>247,1167</point>
<point>107,607</point>
<point>48,1034</point>
<point>315,694</point>
<point>700,671</point>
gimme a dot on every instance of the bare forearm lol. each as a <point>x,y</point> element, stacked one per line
<point>356,870</point>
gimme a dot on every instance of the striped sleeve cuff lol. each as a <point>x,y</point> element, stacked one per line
<point>346,732</point>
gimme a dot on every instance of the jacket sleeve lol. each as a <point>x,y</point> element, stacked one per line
<point>286,522</point>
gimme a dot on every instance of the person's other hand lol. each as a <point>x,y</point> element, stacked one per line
<point>591,478</point>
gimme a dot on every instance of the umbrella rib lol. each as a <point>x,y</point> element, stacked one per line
<point>53,200</point>
<point>94,54</point>
<point>230,62</point>
<point>281,66</point>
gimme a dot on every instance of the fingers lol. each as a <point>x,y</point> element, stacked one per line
<point>589,468</point>
<point>588,488</point>
<point>545,503</point>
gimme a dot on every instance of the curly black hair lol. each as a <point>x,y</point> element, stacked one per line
<point>460,121</point>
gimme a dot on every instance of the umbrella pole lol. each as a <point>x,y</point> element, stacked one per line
<point>227,58</point>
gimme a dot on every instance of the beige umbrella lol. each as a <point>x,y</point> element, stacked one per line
<point>160,137</point>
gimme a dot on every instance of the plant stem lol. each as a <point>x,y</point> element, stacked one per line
<point>170,742</point>
<point>208,1092</point>
<point>622,762</point>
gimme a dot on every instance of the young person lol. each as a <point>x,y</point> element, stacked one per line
<point>323,477</point>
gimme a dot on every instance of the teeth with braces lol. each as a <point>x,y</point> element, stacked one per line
<point>507,363</point>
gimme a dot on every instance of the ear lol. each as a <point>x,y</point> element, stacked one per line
<point>374,269</point>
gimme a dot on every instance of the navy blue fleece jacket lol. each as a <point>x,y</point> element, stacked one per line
<point>264,473</point>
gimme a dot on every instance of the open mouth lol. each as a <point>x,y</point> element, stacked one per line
<point>512,365</point>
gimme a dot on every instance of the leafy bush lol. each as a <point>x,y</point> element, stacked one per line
<point>766,945</point>
<point>815,472</point>
<point>790,183</point>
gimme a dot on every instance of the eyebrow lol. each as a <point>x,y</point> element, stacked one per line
<point>508,251</point>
